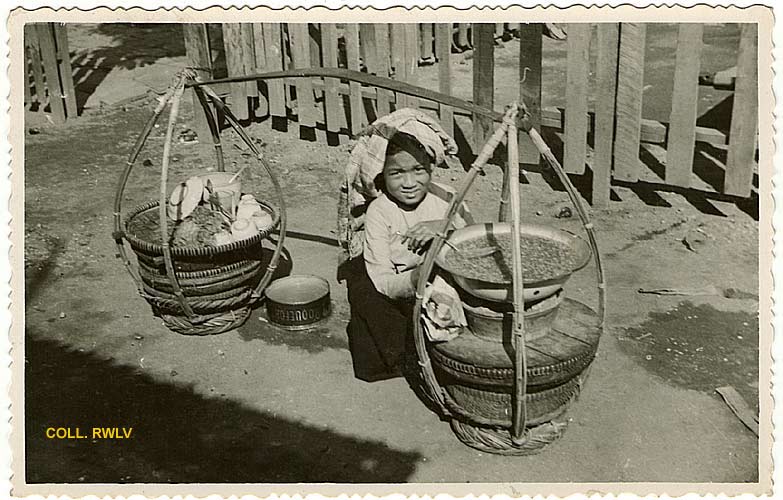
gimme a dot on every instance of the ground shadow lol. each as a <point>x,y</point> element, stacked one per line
<point>38,272</point>
<point>133,45</point>
<point>178,435</point>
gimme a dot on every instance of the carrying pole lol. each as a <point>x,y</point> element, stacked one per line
<point>520,359</point>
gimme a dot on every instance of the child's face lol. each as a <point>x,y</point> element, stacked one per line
<point>407,177</point>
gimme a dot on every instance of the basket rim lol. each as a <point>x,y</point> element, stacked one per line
<point>527,228</point>
<point>194,251</point>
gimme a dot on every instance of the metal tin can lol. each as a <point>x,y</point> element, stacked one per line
<point>298,302</point>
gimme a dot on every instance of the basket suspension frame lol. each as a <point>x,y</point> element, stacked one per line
<point>173,94</point>
<point>442,399</point>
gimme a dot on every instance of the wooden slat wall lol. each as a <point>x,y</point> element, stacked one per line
<point>530,85</point>
<point>483,80</point>
<point>606,83</point>
<point>235,65</point>
<point>443,39</point>
<point>630,81</point>
<point>744,117</point>
<point>274,61</point>
<point>300,50</point>
<point>618,128</point>
<point>358,119</point>
<point>685,100</point>
<point>576,124</point>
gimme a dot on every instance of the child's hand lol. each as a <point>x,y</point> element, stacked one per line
<point>420,235</point>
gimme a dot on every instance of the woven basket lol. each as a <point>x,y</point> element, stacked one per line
<point>502,393</point>
<point>197,290</point>
<point>221,287</point>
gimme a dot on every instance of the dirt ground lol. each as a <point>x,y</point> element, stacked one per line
<point>260,404</point>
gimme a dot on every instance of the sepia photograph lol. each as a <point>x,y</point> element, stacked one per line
<point>392,248</point>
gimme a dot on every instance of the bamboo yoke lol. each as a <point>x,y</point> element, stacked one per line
<point>522,439</point>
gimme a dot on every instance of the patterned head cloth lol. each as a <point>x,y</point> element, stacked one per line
<point>367,160</point>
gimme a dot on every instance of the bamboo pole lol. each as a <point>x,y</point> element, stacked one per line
<point>520,359</point>
<point>430,381</point>
<point>164,231</point>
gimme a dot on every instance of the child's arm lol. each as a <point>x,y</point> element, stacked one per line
<point>377,258</point>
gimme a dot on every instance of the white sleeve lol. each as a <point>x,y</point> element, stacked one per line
<point>377,257</point>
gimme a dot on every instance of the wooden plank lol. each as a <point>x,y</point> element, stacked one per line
<point>358,117</point>
<point>576,124</point>
<point>530,70</point>
<point>443,38</point>
<point>411,33</point>
<point>740,408</point>
<point>744,117</point>
<point>483,80</point>
<point>258,66</point>
<point>199,58</point>
<point>630,81</point>
<point>367,47</point>
<point>28,97</point>
<point>708,135</point>
<point>382,67</point>
<point>288,62</point>
<point>31,38</point>
<point>66,72</point>
<point>235,65</point>
<point>49,57</point>
<point>314,32</point>
<point>685,101</point>
<point>274,61</point>
<point>300,49</point>
<point>248,57</point>
<point>334,116</point>
<point>398,59</point>
<point>426,41</point>
<point>606,84</point>
<point>413,44</point>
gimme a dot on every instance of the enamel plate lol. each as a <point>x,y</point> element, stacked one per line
<point>185,198</point>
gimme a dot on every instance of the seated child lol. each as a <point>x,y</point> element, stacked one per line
<point>399,226</point>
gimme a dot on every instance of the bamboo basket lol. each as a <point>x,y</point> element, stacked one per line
<point>197,290</point>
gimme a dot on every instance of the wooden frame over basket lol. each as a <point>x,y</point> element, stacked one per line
<point>197,290</point>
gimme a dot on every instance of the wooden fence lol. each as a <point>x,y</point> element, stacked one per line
<point>334,109</point>
<point>48,82</point>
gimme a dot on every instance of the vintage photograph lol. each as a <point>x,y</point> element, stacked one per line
<point>390,250</point>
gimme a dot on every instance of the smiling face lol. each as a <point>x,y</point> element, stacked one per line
<point>406,173</point>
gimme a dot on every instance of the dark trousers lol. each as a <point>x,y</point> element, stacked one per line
<point>380,328</point>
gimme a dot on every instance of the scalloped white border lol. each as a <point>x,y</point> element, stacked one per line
<point>77,11</point>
